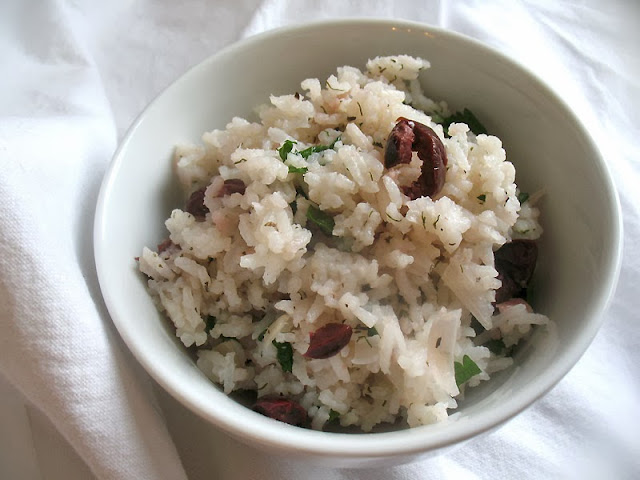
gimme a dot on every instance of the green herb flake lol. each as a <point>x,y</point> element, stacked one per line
<point>436,118</point>
<point>482,198</point>
<point>261,336</point>
<point>436,222</point>
<point>466,116</point>
<point>293,169</point>
<point>371,332</point>
<point>333,415</point>
<point>302,193</point>
<point>209,323</point>
<point>286,148</point>
<point>523,197</point>
<point>496,346</point>
<point>306,153</point>
<point>466,370</point>
<point>285,355</point>
<point>322,219</point>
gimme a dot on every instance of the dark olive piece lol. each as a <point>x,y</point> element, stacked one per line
<point>410,136</point>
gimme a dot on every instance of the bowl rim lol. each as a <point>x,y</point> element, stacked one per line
<point>256,429</point>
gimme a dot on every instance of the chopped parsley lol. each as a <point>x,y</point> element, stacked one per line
<point>286,148</point>
<point>436,222</point>
<point>466,116</point>
<point>368,332</point>
<point>285,355</point>
<point>333,415</point>
<point>466,370</point>
<point>482,198</point>
<point>496,346</point>
<point>293,169</point>
<point>209,323</point>
<point>306,153</point>
<point>523,197</point>
<point>302,193</point>
<point>322,219</point>
<point>437,118</point>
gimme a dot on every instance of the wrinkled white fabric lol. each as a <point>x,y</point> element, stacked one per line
<point>75,73</point>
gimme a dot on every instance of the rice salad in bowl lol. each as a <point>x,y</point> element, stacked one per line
<point>360,256</point>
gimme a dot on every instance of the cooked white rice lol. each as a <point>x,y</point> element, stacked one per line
<point>406,275</point>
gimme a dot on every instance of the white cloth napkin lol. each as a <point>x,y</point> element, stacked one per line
<point>75,74</point>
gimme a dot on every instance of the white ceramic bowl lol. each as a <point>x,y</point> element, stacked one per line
<point>579,256</point>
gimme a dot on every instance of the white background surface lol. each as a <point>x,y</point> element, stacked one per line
<point>74,76</point>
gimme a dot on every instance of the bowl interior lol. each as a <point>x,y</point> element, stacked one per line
<point>580,251</point>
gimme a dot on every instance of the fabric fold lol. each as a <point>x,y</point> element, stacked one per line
<point>58,346</point>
